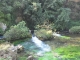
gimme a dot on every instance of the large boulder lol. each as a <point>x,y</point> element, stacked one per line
<point>44,34</point>
<point>2,28</point>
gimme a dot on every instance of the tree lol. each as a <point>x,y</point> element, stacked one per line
<point>33,11</point>
<point>63,20</point>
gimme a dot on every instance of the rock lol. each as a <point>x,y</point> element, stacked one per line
<point>44,34</point>
<point>2,52</point>
<point>3,26</point>
<point>31,58</point>
<point>9,51</point>
<point>19,48</point>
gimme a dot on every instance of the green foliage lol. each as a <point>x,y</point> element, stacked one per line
<point>6,18</point>
<point>63,19</point>
<point>69,53</point>
<point>44,34</point>
<point>20,41</point>
<point>1,31</point>
<point>22,58</point>
<point>75,29</point>
<point>36,12</point>
<point>1,16</point>
<point>32,11</point>
<point>18,31</point>
<point>75,23</point>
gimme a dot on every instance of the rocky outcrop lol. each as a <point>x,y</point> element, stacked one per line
<point>9,51</point>
<point>3,26</point>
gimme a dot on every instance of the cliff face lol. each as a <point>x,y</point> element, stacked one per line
<point>74,5</point>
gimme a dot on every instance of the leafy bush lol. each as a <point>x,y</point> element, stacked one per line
<point>44,34</point>
<point>18,31</point>
<point>75,29</point>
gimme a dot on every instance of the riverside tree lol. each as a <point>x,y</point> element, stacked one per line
<point>34,11</point>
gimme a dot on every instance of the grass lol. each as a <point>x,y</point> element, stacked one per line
<point>48,56</point>
<point>69,52</point>
<point>8,58</point>
<point>19,41</point>
<point>22,58</point>
<point>63,53</point>
<point>65,37</point>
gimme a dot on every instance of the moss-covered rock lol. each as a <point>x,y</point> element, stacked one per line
<point>44,34</point>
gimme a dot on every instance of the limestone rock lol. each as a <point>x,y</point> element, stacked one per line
<point>3,26</point>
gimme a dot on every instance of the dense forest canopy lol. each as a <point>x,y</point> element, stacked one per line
<point>36,12</point>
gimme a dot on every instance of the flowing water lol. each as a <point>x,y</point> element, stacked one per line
<point>44,47</point>
<point>36,45</point>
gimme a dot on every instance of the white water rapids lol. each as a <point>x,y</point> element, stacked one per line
<point>44,47</point>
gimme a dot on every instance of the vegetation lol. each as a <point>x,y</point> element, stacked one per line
<point>35,12</point>
<point>63,53</point>
<point>48,56</point>
<point>69,52</point>
<point>44,34</point>
<point>75,29</point>
<point>16,42</point>
<point>9,58</point>
<point>63,20</point>
<point>1,31</point>
<point>22,58</point>
<point>44,16</point>
<point>17,32</point>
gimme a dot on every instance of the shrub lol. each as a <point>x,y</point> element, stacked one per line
<point>75,29</point>
<point>18,31</point>
<point>44,34</point>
